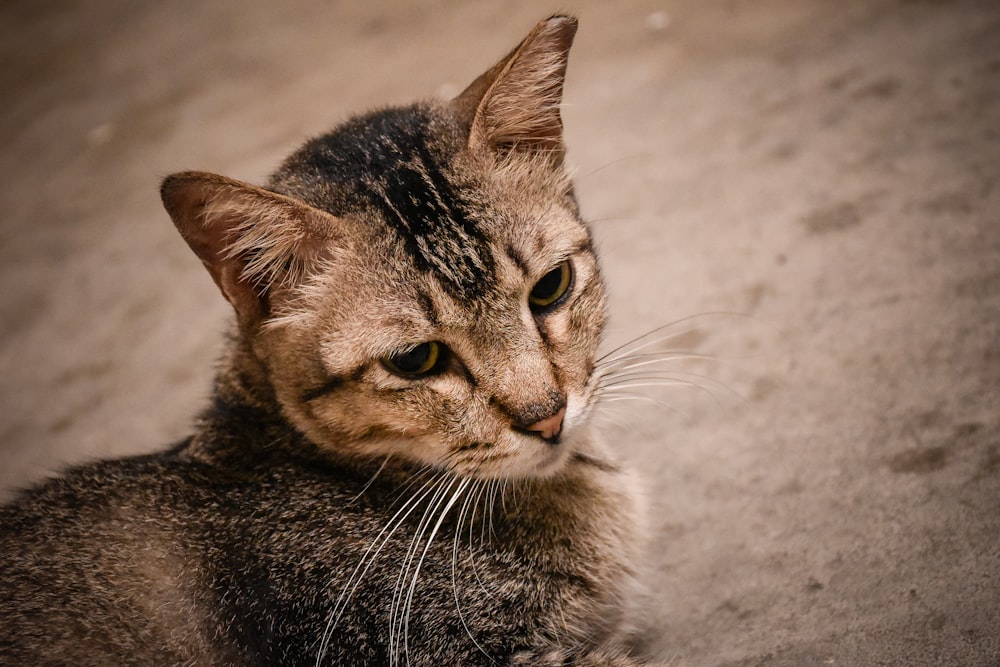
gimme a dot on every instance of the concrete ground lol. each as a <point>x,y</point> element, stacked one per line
<point>829,168</point>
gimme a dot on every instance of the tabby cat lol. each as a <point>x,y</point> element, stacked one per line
<point>396,466</point>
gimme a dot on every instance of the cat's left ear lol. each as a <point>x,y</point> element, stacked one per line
<point>515,104</point>
<point>250,239</point>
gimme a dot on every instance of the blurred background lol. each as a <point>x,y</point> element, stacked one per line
<point>829,169</point>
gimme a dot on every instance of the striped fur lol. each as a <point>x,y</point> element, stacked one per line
<point>329,510</point>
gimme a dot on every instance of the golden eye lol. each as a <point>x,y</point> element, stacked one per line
<point>419,360</point>
<point>553,286</point>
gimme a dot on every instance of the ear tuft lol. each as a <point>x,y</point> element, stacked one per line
<point>251,240</point>
<point>267,236</point>
<point>516,102</point>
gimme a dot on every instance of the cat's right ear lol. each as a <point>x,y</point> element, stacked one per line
<point>251,240</point>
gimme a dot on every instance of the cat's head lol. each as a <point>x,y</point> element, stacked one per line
<point>418,282</point>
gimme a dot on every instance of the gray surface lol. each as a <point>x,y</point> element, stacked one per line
<point>830,168</point>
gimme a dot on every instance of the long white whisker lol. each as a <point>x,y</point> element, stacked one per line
<point>366,561</point>
<point>370,482</point>
<point>434,492</point>
<point>470,498</point>
<point>664,329</point>
<point>491,508</point>
<point>611,417</point>
<point>648,381</point>
<point>613,163</point>
<point>673,376</point>
<point>652,338</point>
<point>440,489</point>
<point>661,383</point>
<point>643,374</point>
<point>408,605</point>
<point>624,396</point>
<point>515,484</point>
<point>503,496</point>
<point>416,477</point>
<point>481,495</point>
<point>630,361</point>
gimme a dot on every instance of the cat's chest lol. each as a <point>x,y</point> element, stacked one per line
<point>458,563</point>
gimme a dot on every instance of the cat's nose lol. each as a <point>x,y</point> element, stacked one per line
<point>548,429</point>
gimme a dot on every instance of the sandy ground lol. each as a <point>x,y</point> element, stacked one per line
<point>829,168</point>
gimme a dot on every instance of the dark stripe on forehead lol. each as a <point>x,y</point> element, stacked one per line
<point>420,204</point>
<point>392,161</point>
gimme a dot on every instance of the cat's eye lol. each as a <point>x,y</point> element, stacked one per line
<point>551,288</point>
<point>422,359</point>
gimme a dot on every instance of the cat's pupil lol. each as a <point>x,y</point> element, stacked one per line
<point>418,360</point>
<point>551,287</point>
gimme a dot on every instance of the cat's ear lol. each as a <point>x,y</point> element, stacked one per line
<point>251,240</point>
<point>515,104</point>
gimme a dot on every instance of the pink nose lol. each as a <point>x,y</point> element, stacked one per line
<point>549,427</point>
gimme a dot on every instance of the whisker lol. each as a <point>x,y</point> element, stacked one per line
<point>441,489</point>
<point>611,417</point>
<point>655,380</point>
<point>408,605</point>
<point>673,378</point>
<point>492,506</point>
<point>647,339</point>
<point>664,329</point>
<point>420,474</point>
<point>472,561</point>
<point>615,397</point>
<point>370,482</point>
<point>645,373</point>
<point>515,484</point>
<point>643,342</point>
<point>503,496</point>
<point>630,384</point>
<point>366,562</point>
<point>629,361</point>
<point>470,497</point>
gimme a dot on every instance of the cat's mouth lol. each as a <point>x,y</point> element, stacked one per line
<point>524,455</point>
<point>544,456</point>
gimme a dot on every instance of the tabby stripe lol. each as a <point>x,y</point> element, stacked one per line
<point>586,245</point>
<point>429,309</point>
<point>417,200</point>
<point>331,385</point>
<point>518,260</point>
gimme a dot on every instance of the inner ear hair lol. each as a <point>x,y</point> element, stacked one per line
<point>250,239</point>
<point>516,102</point>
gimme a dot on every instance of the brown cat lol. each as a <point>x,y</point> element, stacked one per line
<point>397,465</point>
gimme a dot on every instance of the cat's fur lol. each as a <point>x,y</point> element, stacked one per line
<point>327,509</point>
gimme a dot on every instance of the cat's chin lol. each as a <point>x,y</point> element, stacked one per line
<point>550,462</point>
<point>540,461</point>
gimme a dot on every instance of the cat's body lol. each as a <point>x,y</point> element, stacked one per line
<point>193,564</point>
<point>397,465</point>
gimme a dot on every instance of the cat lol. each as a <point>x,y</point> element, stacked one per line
<point>398,464</point>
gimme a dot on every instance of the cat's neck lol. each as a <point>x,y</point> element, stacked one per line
<point>242,378</point>
<point>244,416</point>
